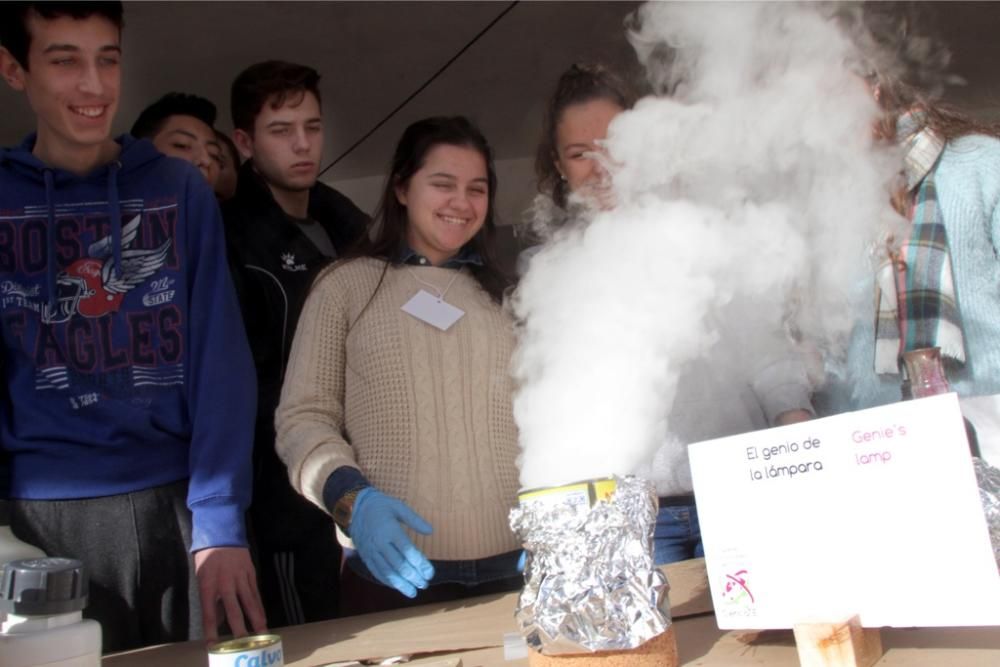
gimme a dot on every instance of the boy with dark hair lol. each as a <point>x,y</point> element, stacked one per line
<point>16,37</point>
<point>283,226</point>
<point>117,321</point>
<point>181,126</point>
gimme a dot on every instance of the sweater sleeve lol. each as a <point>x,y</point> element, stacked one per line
<point>221,386</point>
<point>782,385</point>
<point>774,366</point>
<point>777,370</point>
<point>310,416</point>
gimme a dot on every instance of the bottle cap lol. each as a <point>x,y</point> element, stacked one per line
<point>43,586</point>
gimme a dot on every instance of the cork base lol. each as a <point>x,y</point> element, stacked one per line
<point>660,651</point>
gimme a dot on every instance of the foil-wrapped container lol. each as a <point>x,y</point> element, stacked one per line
<point>590,581</point>
<point>988,478</point>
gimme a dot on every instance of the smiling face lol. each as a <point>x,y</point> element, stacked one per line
<point>72,83</point>
<point>580,130</point>
<point>446,201</point>
<point>287,142</point>
<point>193,141</point>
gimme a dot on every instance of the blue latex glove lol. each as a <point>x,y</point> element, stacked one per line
<point>383,545</point>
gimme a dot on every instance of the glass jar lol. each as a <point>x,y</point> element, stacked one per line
<point>925,376</point>
<point>924,373</point>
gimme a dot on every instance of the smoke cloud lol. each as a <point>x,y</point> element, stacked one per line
<point>747,206</point>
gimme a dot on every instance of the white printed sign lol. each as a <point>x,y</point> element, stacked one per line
<point>874,512</point>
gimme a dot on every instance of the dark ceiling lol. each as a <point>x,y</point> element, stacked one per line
<point>372,55</point>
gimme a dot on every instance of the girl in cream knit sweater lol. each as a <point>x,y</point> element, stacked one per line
<point>396,408</point>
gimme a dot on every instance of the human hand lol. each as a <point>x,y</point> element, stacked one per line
<point>227,579</point>
<point>792,417</point>
<point>384,546</point>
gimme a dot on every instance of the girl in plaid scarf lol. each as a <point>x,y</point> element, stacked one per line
<point>940,285</point>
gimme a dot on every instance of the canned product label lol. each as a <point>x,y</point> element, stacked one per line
<point>253,651</point>
<point>579,495</point>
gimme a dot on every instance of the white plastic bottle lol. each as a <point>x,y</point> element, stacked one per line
<point>44,600</point>
<point>12,548</point>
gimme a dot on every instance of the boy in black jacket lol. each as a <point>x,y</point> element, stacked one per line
<point>283,226</point>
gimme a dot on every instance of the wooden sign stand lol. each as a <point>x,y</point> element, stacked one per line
<point>844,644</point>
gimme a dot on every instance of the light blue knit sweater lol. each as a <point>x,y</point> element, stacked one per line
<point>968,188</point>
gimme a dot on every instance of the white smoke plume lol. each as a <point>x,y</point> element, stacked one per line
<point>747,202</point>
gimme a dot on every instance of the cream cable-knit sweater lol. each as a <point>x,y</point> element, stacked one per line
<point>425,414</point>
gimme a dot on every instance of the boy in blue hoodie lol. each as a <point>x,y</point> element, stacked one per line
<point>129,406</point>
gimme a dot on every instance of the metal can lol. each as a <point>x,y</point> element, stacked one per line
<point>580,495</point>
<point>252,651</point>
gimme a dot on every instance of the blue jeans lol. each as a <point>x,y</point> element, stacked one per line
<point>677,535</point>
<point>464,572</point>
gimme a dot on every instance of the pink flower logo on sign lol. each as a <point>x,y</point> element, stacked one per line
<point>736,591</point>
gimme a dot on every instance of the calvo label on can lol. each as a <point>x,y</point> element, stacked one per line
<point>259,651</point>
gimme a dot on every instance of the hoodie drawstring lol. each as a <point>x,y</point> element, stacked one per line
<point>116,217</point>
<point>50,235</point>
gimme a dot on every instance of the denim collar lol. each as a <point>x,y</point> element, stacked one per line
<point>465,256</point>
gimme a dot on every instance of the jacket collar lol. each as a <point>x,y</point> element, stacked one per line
<point>253,189</point>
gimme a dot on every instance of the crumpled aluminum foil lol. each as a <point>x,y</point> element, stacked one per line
<point>988,478</point>
<point>590,581</point>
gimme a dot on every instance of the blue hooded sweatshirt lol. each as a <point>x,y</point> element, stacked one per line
<point>125,358</point>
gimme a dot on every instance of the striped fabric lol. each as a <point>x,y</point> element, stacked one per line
<point>284,566</point>
<point>917,305</point>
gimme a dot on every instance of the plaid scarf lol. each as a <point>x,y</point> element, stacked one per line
<point>917,307</point>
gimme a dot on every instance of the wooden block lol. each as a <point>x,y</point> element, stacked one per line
<point>844,644</point>
<point>660,651</point>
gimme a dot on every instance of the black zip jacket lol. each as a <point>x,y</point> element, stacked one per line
<point>273,265</point>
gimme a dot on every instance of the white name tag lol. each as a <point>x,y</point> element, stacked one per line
<point>434,311</point>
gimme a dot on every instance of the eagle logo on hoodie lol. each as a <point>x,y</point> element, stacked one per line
<point>95,286</point>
